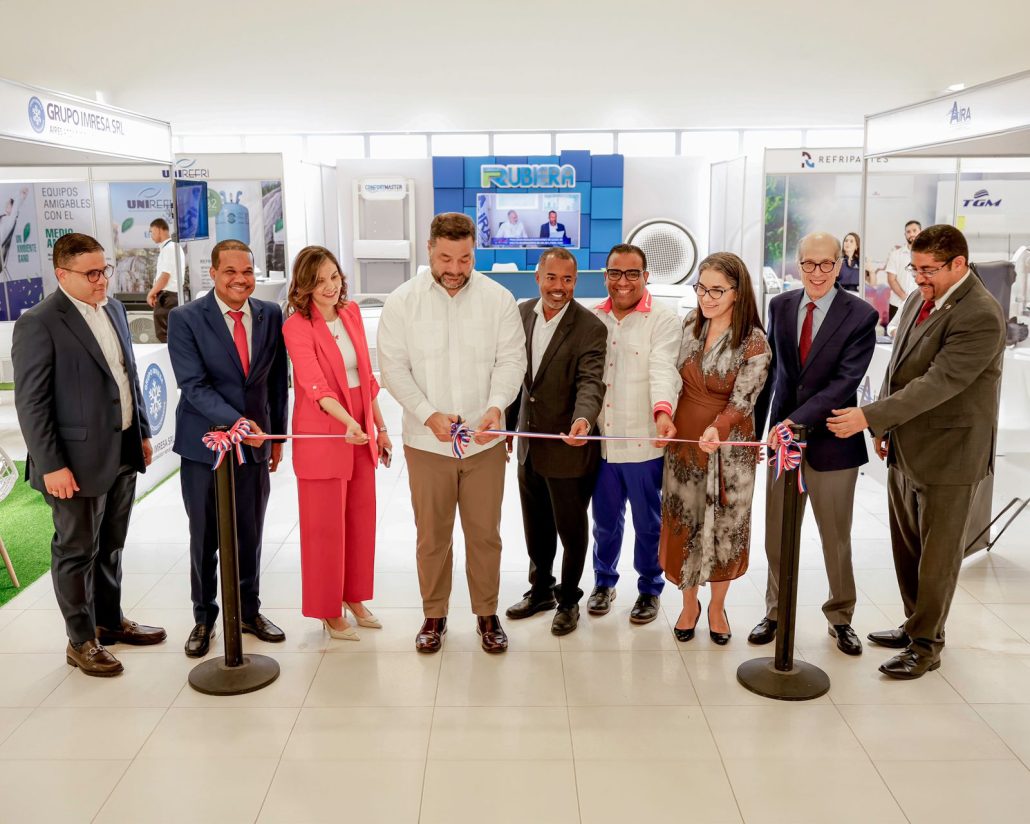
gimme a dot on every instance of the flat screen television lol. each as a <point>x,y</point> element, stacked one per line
<point>191,210</point>
<point>527,221</point>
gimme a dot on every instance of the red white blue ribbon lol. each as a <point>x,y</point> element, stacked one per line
<point>787,455</point>
<point>222,442</point>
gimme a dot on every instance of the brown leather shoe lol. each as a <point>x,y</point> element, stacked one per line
<point>130,632</point>
<point>489,629</point>
<point>93,659</point>
<point>430,637</point>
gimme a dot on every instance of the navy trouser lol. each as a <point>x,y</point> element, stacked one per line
<point>639,484</point>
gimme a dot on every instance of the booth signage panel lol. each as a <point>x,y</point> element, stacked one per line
<point>72,123</point>
<point>160,396</point>
<point>527,176</point>
<point>383,188</point>
<point>986,207</point>
<point>812,161</point>
<point>983,110</point>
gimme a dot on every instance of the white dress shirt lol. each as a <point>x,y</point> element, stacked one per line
<point>897,260</point>
<point>543,331</point>
<point>248,322</point>
<point>511,230</point>
<point>166,263</point>
<point>107,338</point>
<point>640,377</point>
<point>457,355</point>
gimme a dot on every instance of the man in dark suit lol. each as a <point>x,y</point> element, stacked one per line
<point>229,359</point>
<point>81,411</point>
<point>562,392</point>
<point>822,340</point>
<point>936,422</point>
<point>553,228</point>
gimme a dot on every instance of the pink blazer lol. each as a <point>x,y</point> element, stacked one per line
<point>319,372</point>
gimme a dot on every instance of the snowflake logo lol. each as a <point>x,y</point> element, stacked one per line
<point>155,394</point>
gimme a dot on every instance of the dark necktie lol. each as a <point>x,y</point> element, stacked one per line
<point>805,344</point>
<point>925,311</point>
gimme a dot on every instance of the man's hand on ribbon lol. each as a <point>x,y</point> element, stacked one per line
<point>847,422</point>
<point>774,435</point>
<point>491,420</point>
<point>254,430</point>
<point>709,440</point>
<point>665,429</point>
<point>579,427</point>
<point>439,423</point>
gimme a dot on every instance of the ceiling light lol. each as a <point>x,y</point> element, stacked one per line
<point>956,87</point>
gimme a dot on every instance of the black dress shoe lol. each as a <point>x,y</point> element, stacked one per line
<point>909,665</point>
<point>264,629</point>
<point>684,635</point>
<point>199,641</point>
<point>529,606</point>
<point>645,610</point>
<point>763,633</point>
<point>720,638</point>
<point>430,637</point>
<point>893,638</point>
<point>566,619</point>
<point>847,639</point>
<point>491,634</point>
<point>600,601</point>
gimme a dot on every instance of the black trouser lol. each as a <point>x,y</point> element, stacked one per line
<point>86,556</point>
<point>166,302</point>
<point>198,493</point>
<point>553,507</point>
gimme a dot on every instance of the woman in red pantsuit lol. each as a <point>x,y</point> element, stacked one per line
<point>335,394</point>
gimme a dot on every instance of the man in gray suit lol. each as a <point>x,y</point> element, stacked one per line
<point>936,423</point>
<point>562,392</point>
<point>81,411</point>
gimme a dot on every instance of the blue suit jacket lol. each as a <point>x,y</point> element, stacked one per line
<point>213,389</point>
<point>837,362</point>
<point>545,230</point>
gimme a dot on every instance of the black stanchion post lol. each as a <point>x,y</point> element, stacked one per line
<point>236,673</point>
<point>782,677</point>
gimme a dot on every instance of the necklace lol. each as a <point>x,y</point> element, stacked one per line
<point>336,328</point>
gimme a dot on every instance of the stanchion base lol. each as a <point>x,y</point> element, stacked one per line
<point>803,683</point>
<point>215,678</point>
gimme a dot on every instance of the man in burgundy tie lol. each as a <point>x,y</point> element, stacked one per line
<point>936,422</point>
<point>822,340</point>
<point>229,359</point>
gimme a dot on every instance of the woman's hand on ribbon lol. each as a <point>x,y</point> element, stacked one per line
<point>254,430</point>
<point>579,427</point>
<point>491,420</point>
<point>665,429</point>
<point>355,435</point>
<point>439,423</point>
<point>709,440</point>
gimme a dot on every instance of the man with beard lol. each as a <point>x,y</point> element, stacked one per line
<point>452,349</point>
<point>898,277</point>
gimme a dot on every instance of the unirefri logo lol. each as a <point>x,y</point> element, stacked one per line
<point>806,161</point>
<point>155,396</point>
<point>37,115</point>
<point>981,199</point>
<point>959,114</point>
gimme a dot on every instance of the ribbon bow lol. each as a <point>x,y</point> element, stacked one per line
<point>788,455</point>
<point>460,437</point>
<point>221,442</point>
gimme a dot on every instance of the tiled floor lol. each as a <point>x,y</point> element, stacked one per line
<point>613,723</point>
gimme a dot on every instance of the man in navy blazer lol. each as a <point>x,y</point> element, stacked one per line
<point>81,411</point>
<point>822,340</point>
<point>553,228</point>
<point>229,360</point>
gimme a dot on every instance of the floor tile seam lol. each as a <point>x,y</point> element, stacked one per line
<point>429,738</point>
<point>988,606</point>
<point>126,766</point>
<point>1015,755</point>
<point>572,743</point>
<point>718,749</point>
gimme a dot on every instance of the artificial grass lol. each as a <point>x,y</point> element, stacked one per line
<point>26,526</point>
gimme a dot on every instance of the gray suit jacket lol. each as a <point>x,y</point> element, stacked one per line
<point>568,385</point>
<point>67,399</point>
<point>939,400</point>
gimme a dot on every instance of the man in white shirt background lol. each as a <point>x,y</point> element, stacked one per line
<point>452,348</point>
<point>642,386</point>
<point>898,277</point>
<point>512,227</point>
<point>164,294</point>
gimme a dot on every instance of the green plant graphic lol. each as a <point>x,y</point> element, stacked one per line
<point>26,232</point>
<point>126,225</point>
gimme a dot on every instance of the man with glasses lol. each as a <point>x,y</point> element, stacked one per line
<point>81,411</point>
<point>641,389</point>
<point>936,422</point>
<point>822,340</point>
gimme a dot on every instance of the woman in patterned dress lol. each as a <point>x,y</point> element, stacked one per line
<point>707,487</point>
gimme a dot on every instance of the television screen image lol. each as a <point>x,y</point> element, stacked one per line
<point>191,210</point>
<point>527,221</point>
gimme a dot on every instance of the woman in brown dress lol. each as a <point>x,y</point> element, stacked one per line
<point>707,487</point>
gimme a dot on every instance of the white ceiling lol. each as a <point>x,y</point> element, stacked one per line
<point>408,65</point>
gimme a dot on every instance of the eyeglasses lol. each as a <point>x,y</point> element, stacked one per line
<point>94,275</point>
<point>715,293</point>
<point>825,266</point>
<point>929,273</point>
<point>631,275</point>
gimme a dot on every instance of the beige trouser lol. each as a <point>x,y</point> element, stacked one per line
<point>476,486</point>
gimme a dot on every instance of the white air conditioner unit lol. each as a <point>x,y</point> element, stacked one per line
<point>141,327</point>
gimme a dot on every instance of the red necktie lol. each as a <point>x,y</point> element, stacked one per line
<point>924,313</point>
<point>805,344</point>
<point>239,336</point>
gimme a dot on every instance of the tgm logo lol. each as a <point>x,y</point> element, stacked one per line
<point>981,199</point>
<point>155,396</point>
<point>959,114</point>
<point>806,161</point>
<point>37,115</point>
<point>525,176</point>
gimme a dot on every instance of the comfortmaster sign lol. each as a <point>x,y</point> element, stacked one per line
<point>527,176</point>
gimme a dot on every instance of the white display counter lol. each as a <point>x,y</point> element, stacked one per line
<point>160,396</point>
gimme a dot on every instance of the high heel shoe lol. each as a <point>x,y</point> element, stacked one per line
<point>684,635</point>
<point>367,620</point>
<point>720,638</point>
<point>349,634</point>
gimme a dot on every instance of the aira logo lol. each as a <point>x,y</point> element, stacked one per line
<point>981,199</point>
<point>959,114</point>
